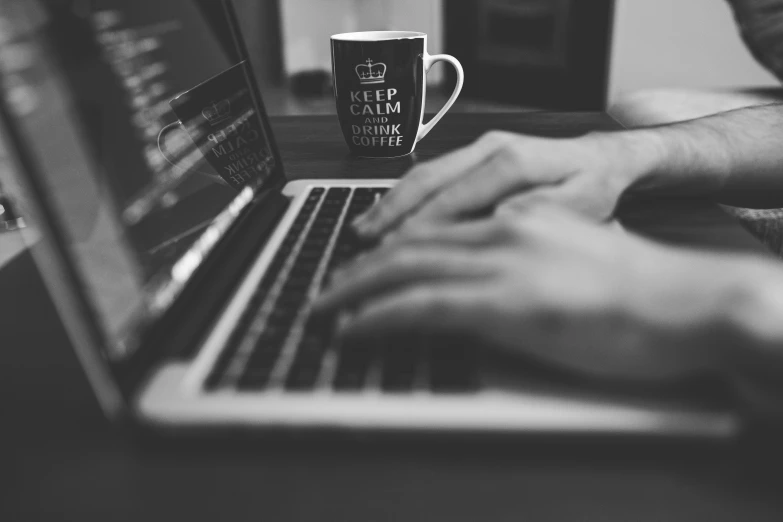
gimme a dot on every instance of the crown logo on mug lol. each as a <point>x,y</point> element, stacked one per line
<point>371,73</point>
<point>217,112</point>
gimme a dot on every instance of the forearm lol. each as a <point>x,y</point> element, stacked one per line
<point>735,157</point>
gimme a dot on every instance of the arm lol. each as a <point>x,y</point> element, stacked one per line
<point>737,157</point>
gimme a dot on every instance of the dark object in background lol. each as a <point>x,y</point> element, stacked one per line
<point>261,26</point>
<point>311,84</point>
<point>544,53</point>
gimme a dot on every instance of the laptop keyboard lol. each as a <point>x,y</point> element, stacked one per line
<point>278,345</point>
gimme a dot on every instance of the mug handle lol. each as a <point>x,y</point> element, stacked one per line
<point>429,60</point>
<point>177,125</point>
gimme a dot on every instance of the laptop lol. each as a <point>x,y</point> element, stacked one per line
<point>187,299</point>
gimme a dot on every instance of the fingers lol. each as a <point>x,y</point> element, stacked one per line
<point>422,182</point>
<point>575,195</point>
<point>477,190</point>
<point>385,271</point>
<point>471,234</point>
<point>450,308</point>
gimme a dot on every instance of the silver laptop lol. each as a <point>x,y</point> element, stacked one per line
<point>187,299</point>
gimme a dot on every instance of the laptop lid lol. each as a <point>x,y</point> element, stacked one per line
<point>141,135</point>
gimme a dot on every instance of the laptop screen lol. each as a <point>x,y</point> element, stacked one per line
<point>142,123</point>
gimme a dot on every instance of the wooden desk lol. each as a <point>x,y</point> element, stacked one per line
<point>62,461</point>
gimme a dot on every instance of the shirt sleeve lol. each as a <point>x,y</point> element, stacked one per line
<point>761,26</point>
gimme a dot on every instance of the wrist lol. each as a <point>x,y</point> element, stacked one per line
<point>635,157</point>
<point>682,159</point>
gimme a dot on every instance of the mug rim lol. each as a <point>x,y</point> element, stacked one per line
<point>376,36</point>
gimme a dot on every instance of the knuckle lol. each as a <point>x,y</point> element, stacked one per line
<point>422,229</point>
<point>507,225</point>
<point>427,301</point>
<point>530,225</point>
<point>418,172</point>
<point>536,216</point>
<point>444,204</point>
<point>404,258</point>
<point>412,230</point>
<point>419,178</point>
<point>538,201</point>
<point>453,196</point>
<point>495,137</point>
<point>509,158</point>
<point>505,222</point>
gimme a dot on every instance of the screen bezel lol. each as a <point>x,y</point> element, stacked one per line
<point>121,377</point>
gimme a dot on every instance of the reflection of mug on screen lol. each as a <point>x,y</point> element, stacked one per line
<point>220,119</point>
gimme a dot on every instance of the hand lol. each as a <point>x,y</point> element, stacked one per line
<point>586,297</point>
<point>586,174</point>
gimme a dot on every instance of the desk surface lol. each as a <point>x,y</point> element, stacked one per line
<point>62,461</point>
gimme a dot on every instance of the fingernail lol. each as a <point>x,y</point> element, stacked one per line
<point>362,219</point>
<point>367,231</point>
<point>391,237</point>
<point>349,266</point>
<point>337,276</point>
<point>317,308</point>
<point>359,227</point>
<point>341,325</point>
<point>322,301</point>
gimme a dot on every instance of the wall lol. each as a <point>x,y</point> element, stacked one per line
<point>308,24</point>
<point>656,43</point>
<point>680,43</point>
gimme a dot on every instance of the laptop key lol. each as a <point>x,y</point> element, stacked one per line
<point>335,193</point>
<point>291,299</point>
<point>370,192</point>
<point>348,381</point>
<point>299,279</point>
<point>270,342</point>
<point>254,380</point>
<point>400,359</point>
<point>353,364</point>
<point>452,366</point>
<point>301,282</point>
<point>282,319</point>
<point>263,359</point>
<point>331,209</point>
<point>310,254</point>
<point>315,242</point>
<point>229,350</point>
<point>220,366</point>
<point>302,377</point>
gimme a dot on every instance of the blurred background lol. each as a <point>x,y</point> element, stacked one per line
<point>518,55</point>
